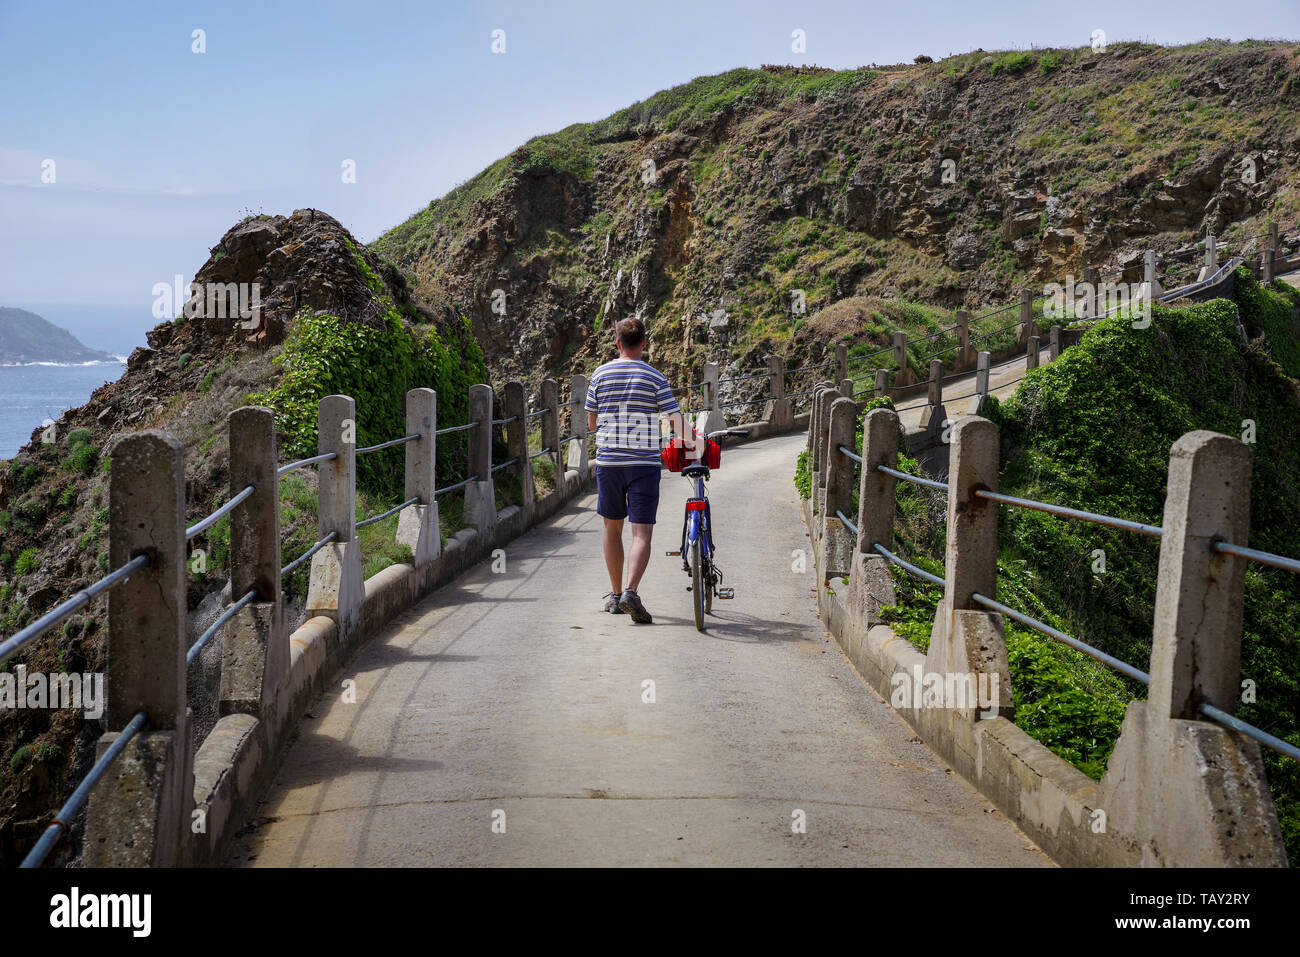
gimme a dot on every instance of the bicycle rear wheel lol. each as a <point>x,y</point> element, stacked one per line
<point>697,584</point>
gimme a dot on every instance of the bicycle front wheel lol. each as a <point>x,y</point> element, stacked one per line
<point>697,584</point>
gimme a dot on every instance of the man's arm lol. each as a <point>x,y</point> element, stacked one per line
<point>591,422</point>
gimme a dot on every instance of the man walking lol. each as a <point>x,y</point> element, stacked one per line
<point>625,398</point>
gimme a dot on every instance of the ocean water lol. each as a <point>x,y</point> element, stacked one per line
<point>30,394</point>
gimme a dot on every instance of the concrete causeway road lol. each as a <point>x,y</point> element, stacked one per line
<point>1004,379</point>
<point>512,697</point>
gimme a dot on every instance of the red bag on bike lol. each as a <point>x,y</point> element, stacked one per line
<point>679,453</point>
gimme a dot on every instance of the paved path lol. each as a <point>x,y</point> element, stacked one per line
<point>1004,379</point>
<point>513,692</point>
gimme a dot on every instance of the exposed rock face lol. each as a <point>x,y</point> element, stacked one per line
<point>956,182</point>
<point>306,260</point>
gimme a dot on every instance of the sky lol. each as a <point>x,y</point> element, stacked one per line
<point>157,149</point>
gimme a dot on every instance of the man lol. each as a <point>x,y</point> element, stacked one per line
<point>625,398</point>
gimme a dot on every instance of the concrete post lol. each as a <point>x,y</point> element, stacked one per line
<point>1196,644</point>
<point>712,418</point>
<point>841,361</point>
<point>966,639</point>
<point>1195,792</point>
<point>1151,289</point>
<point>971,557</point>
<point>417,525</point>
<point>1091,299</point>
<point>549,396</point>
<point>1032,348</point>
<point>981,382</point>
<point>1211,254</point>
<point>1054,344</point>
<point>255,643</point>
<point>819,423</point>
<point>882,383</point>
<point>904,376</point>
<point>876,489</point>
<point>1269,253</point>
<point>139,811</point>
<point>777,411</point>
<point>480,494</point>
<point>846,388</point>
<point>1028,325</point>
<point>515,407</point>
<point>336,589</point>
<point>577,458</point>
<point>934,415</point>
<point>965,356</point>
<point>871,586</point>
<point>836,540</point>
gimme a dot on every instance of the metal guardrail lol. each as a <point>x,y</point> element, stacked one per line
<point>12,645</point>
<point>324,457</point>
<point>1206,710</point>
<point>392,511</point>
<point>36,856</point>
<point>216,626</point>
<point>391,442</point>
<point>914,479</point>
<point>309,553</point>
<point>456,428</point>
<point>204,524</point>
<point>451,488</point>
<point>746,378</point>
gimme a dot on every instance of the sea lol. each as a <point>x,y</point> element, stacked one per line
<point>37,391</point>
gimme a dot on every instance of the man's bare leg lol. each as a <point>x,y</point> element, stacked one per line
<point>640,557</point>
<point>614,553</point>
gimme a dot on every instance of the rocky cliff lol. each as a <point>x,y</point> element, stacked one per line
<point>712,208</point>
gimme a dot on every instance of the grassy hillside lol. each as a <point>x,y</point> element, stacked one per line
<point>951,184</point>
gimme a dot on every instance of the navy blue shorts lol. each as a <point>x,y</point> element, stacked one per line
<point>628,491</point>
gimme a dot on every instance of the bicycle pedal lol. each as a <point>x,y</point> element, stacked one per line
<point>673,553</point>
<point>726,593</point>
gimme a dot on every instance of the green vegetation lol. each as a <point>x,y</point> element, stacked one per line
<point>1093,430</point>
<point>26,561</point>
<point>376,365</point>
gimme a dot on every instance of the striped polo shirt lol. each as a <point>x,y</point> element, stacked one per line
<point>628,396</point>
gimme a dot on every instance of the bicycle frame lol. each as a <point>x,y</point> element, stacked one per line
<point>696,526</point>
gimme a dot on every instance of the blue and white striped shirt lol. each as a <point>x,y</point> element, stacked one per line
<point>628,396</point>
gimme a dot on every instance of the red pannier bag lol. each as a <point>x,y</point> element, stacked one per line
<point>679,453</point>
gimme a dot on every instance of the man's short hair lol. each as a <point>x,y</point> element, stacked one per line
<point>631,333</point>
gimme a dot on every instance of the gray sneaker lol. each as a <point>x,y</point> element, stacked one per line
<point>630,602</point>
<point>611,604</point>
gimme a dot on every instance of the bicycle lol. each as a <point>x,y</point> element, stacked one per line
<point>697,534</point>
